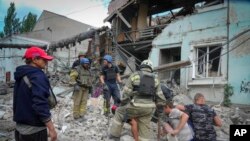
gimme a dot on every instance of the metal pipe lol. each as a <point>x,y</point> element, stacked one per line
<point>228,22</point>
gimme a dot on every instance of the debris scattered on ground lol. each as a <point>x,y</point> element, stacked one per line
<point>94,126</point>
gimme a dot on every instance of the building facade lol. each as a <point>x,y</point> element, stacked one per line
<point>215,38</point>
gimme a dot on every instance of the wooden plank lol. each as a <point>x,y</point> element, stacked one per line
<point>8,45</point>
<point>168,66</point>
<point>172,65</point>
<point>123,19</point>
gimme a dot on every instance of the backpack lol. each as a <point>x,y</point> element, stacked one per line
<point>147,84</point>
<point>51,99</point>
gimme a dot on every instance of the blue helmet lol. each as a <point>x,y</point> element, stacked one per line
<point>84,61</point>
<point>108,58</point>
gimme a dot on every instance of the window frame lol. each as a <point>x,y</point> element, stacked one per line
<point>195,48</point>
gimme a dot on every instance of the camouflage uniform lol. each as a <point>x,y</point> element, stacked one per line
<point>202,119</point>
<point>81,77</point>
<point>135,106</point>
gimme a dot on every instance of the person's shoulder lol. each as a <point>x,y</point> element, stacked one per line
<point>115,67</point>
<point>104,67</point>
<point>175,113</point>
<point>135,75</point>
<point>189,106</point>
<point>76,61</point>
<point>38,76</point>
<point>77,68</point>
<point>175,110</point>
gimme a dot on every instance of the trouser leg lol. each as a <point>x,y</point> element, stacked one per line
<point>77,102</point>
<point>39,136</point>
<point>106,103</point>
<point>83,104</point>
<point>143,117</point>
<point>117,122</point>
<point>115,92</point>
<point>144,128</point>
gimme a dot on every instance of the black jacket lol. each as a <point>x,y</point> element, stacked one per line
<point>30,105</point>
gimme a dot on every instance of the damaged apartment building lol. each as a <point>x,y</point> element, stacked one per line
<point>63,37</point>
<point>212,34</point>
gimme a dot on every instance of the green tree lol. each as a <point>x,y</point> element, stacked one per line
<point>1,34</point>
<point>28,22</point>
<point>12,23</point>
<point>228,92</point>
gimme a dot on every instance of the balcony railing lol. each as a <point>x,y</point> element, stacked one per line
<point>138,35</point>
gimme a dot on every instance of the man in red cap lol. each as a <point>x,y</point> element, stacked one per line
<point>30,103</point>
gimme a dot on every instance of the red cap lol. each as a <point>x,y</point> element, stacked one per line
<point>36,52</point>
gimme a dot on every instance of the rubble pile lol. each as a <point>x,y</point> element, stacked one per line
<point>95,126</point>
<point>6,123</point>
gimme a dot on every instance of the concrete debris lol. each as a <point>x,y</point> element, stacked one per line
<point>132,67</point>
<point>94,126</point>
<point>1,101</point>
<point>2,113</point>
<point>126,138</point>
<point>3,88</point>
<point>240,117</point>
<point>182,99</point>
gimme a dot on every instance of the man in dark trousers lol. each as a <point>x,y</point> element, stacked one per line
<point>31,108</point>
<point>109,76</point>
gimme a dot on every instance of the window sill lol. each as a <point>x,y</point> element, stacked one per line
<point>208,81</point>
<point>211,8</point>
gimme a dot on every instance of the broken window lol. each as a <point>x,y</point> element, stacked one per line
<point>208,62</point>
<point>167,56</point>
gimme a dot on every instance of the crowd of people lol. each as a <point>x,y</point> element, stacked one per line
<point>141,96</point>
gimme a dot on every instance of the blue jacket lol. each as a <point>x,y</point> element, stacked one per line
<point>30,105</point>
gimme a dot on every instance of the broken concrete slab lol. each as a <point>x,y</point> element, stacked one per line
<point>2,113</point>
<point>182,99</point>
<point>126,138</point>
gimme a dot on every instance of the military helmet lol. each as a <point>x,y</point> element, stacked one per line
<point>147,63</point>
<point>108,58</point>
<point>81,53</point>
<point>84,61</point>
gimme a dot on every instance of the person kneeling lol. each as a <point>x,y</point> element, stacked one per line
<point>178,121</point>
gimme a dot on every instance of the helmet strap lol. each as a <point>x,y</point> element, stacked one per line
<point>145,66</point>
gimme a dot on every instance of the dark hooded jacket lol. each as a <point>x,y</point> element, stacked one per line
<point>30,105</point>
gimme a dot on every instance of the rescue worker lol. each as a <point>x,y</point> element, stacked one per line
<point>202,118</point>
<point>141,94</point>
<point>109,76</point>
<point>81,54</point>
<point>80,77</point>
